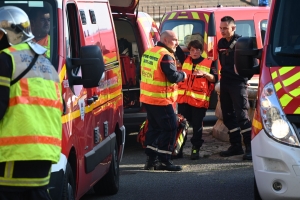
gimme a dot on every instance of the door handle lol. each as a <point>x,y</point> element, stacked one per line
<point>90,101</point>
<point>95,97</point>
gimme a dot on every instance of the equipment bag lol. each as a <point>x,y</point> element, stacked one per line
<point>128,71</point>
<point>182,128</point>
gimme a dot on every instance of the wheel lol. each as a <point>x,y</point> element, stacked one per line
<point>109,184</point>
<point>69,184</point>
<point>256,193</point>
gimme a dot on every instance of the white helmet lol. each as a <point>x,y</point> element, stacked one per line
<point>15,23</point>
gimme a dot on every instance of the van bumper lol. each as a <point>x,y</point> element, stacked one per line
<point>275,162</point>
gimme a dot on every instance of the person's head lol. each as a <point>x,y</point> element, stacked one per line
<point>40,21</point>
<point>195,48</point>
<point>169,38</point>
<point>14,26</point>
<point>227,27</point>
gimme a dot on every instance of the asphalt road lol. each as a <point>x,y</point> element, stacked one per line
<point>210,178</point>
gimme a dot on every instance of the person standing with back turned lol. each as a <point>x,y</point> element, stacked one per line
<point>233,94</point>
<point>30,111</point>
<point>159,76</point>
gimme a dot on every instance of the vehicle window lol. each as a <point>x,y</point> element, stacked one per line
<point>43,20</point>
<point>284,44</point>
<point>107,36</point>
<point>184,29</point>
<point>72,40</point>
<point>263,28</point>
<point>245,28</point>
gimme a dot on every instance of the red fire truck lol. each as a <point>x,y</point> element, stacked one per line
<point>276,123</point>
<point>84,50</point>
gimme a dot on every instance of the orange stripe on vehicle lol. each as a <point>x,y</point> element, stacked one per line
<point>62,73</point>
<point>57,90</point>
<point>24,87</point>
<point>34,101</point>
<point>30,140</point>
<point>256,124</point>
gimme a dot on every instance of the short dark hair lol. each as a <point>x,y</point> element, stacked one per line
<point>195,44</point>
<point>33,13</point>
<point>227,19</point>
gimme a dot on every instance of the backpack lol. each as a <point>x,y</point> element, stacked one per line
<point>182,128</point>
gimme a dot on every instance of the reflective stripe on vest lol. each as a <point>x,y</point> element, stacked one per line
<point>48,48</point>
<point>155,88</point>
<point>31,128</point>
<point>195,91</point>
<point>8,179</point>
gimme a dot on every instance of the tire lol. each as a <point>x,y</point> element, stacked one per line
<point>109,184</point>
<point>69,184</point>
<point>256,193</point>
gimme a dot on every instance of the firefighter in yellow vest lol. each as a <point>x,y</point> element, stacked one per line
<point>194,93</point>
<point>30,111</point>
<point>40,25</point>
<point>158,94</point>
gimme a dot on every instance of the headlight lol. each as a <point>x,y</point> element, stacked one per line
<point>274,120</point>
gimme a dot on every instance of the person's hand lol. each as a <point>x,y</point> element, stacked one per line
<point>199,73</point>
<point>185,76</point>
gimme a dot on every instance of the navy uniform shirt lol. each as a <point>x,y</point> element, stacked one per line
<point>169,68</point>
<point>226,57</point>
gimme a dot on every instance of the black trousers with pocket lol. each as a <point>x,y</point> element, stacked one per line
<point>195,118</point>
<point>161,133</point>
<point>235,105</point>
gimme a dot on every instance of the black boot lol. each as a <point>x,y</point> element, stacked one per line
<point>248,154</point>
<point>168,165</point>
<point>195,153</point>
<point>151,163</point>
<point>234,149</point>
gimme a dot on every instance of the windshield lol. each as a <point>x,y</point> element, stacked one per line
<point>284,44</point>
<point>43,21</point>
<point>185,29</point>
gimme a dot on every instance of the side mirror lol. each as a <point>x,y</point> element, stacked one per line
<point>92,67</point>
<point>244,56</point>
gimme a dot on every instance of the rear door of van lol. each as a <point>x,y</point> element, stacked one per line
<point>136,32</point>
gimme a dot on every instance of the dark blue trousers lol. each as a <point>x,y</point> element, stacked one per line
<point>235,105</point>
<point>162,129</point>
<point>195,116</point>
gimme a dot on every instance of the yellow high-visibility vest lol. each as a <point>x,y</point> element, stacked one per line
<point>31,129</point>
<point>195,91</point>
<point>155,87</point>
